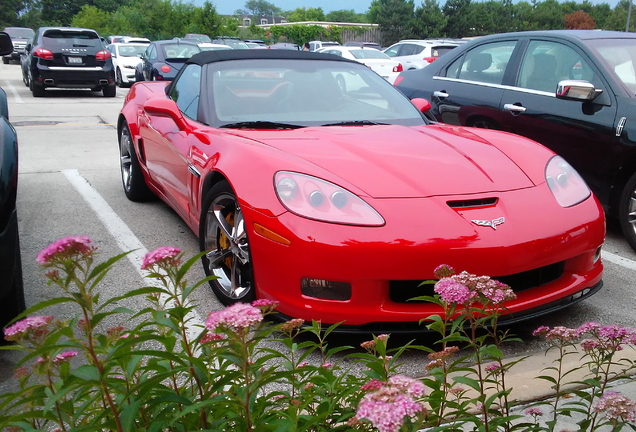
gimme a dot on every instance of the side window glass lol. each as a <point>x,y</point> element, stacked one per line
<point>453,70</point>
<point>487,63</point>
<point>408,49</point>
<point>187,89</point>
<point>152,54</point>
<point>393,51</point>
<point>418,49</point>
<point>544,64</point>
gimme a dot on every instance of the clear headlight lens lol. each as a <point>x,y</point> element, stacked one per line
<point>566,184</point>
<point>321,200</point>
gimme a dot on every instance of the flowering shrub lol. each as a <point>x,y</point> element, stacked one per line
<point>240,372</point>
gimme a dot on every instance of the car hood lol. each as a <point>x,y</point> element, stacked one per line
<point>401,162</point>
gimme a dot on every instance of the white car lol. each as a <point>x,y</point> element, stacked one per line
<point>375,59</point>
<point>126,57</point>
<point>419,53</point>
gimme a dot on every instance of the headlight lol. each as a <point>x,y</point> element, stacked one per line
<point>321,200</point>
<point>566,184</point>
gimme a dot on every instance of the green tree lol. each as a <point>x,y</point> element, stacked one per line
<point>205,20</point>
<point>395,18</point>
<point>305,14</point>
<point>60,12</point>
<point>429,21</point>
<point>10,11</point>
<point>346,16</point>
<point>261,8</point>
<point>548,15</point>
<point>459,14</point>
<point>92,18</point>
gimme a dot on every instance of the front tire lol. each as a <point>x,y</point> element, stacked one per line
<point>118,79</point>
<point>627,211</point>
<point>223,236</point>
<point>132,178</point>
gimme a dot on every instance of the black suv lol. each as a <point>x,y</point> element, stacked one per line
<point>68,57</point>
<point>11,288</point>
<point>20,36</point>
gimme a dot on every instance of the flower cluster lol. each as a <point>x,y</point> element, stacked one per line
<point>390,403</point>
<point>616,406</point>
<point>237,317</point>
<point>466,288</point>
<point>68,247</point>
<point>164,255</point>
<point>33,327</point>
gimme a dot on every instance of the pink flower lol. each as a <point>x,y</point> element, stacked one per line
<point>34,324</point>
<point>374,384</point>
<point>60,358</point>
<point>616,407</point>
<point>265,303</point>
<point>492,367</point>
<point>161,255</point>
<point>66,248</point>
<point>411,386</point>
<point>452,291</point>
<point>443,271</point>
<point>541,331</point>
<point>211,337</point>
<point>327,365</point>
<point>302,364</point>
<point>387,408</point>
<point>536,412</point>
<point>589,327</point>
<point>238,316</point>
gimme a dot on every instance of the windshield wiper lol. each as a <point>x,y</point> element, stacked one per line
<point>355,123</point>
<point>260,125</point>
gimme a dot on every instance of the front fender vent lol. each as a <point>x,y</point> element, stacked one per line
<point>473,203</point>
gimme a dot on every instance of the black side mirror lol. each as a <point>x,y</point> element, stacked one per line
<point>6,46</point>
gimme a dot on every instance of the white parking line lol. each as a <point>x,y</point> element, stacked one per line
<point>617,259</point>
<point>14,92</point>
<point>126,240</point>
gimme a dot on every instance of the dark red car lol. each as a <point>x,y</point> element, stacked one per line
<point>337,202</point>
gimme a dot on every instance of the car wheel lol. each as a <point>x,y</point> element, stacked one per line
<point>132,178</point>
<point>5,60</point>
<point>223,236</point>
<point>118,79</point>
<point>37,90</point>
<point>627,211</point>
<point>25,79</point>
<point>13,304</point>
<point>110,91</point>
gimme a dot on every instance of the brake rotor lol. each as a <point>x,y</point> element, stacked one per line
<point>224,241</point>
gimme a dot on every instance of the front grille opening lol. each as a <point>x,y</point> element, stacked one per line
<point>473,203</point>
<point>402,291</point>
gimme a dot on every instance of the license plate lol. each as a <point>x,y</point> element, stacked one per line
<point>75,60</point>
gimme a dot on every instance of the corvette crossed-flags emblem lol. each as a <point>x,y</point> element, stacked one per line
<point>493,223</point>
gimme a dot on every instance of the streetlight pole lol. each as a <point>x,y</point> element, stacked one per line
<point>629,15</point>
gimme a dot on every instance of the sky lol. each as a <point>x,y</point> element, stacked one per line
<point>227,7</point>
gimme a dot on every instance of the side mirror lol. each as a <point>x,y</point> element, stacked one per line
<point>577,90</point>
<point>6,46</point>
<point>164,107</point>
<point>421,104</point>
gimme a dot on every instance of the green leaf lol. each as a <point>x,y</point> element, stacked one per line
<point>473,383</point>
<point>87,373</point>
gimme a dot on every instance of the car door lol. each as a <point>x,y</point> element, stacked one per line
<point>170,150</point>
<point>469,91</point>
<point>150,56</point>
<point>578,131</point>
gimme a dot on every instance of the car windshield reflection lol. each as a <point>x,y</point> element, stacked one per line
<point>306,93</point>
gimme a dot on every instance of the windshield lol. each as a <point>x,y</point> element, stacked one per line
<point>303,92</point>
<point>620,56</point>
<point>368,54</point>
<point>132,50</point>
<point>68,39</point>
<point>180,51</point>
<point>21,33</point>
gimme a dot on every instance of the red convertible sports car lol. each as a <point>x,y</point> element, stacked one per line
<point>310,180</point>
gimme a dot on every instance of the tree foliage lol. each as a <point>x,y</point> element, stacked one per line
<point>579,20</point>
<point>346,16</point>
<point>394,17</point>
<point>305,14</point>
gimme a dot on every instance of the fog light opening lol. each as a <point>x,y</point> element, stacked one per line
<point>324,289</point>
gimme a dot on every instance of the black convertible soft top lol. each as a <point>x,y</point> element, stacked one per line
<point>206,57</point>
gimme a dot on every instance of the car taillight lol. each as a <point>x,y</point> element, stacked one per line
<point>398,68</point>
<point>43,54</point>
<point>165,68</point>
<point>102,55</point>
<point>429,59</point>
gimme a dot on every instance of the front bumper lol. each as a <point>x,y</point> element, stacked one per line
<point>384,265</point>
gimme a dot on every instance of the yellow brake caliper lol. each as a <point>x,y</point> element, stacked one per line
<point>224,241</point>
